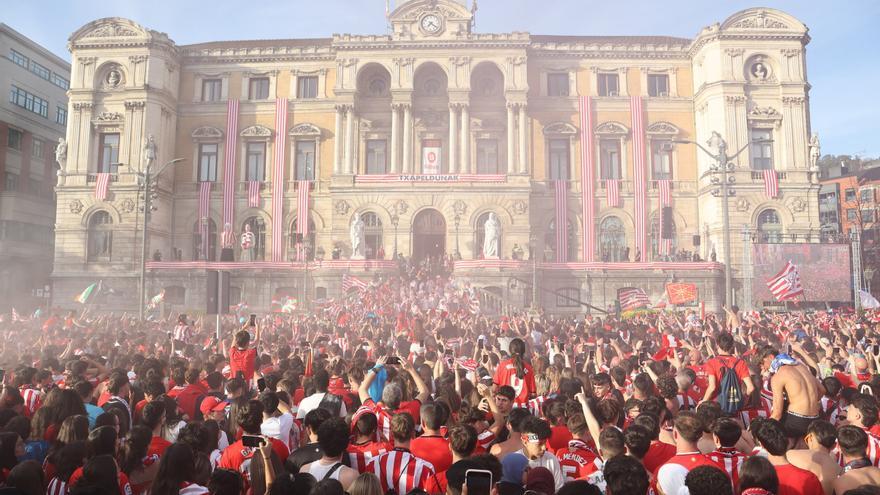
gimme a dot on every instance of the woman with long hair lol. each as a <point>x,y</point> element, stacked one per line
<point>365,484</point>
<point>99,475</point>
<point>73,429</point>
<point>68,459</point>
<point>758,477</point>
<point>516,372</point>
<point>175,470</point>
<point>140,468</point>
<point>11,450</point>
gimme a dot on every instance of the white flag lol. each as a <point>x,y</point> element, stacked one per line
<point>868,301</point>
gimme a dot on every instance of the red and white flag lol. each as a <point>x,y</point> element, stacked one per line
<point>229,162</point>
<point>350,282</point>
<point>612,191</point>
<point>561,221</point>
<point>102,185</point>
<point>632,298</point>
<point>204,214</point>
<point>771,183</point>
<point>668,345</point>
<point>278,180</point>
<point>786,285</point>
<point>254,193</point>
<point>640,187</point>
<point>588,175</point>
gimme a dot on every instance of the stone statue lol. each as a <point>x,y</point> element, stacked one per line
<point>150,151</point>
<point>492,234</point>
<point>357,238</point>
<point>815,151</point>
<point>248,241</point>
<point>61,152</point>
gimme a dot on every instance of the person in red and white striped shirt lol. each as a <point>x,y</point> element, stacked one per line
<point>726,433</point>
<point>25,381</point>
<point>364,447</point>
<point>399,469</point>
<point>863,412</point>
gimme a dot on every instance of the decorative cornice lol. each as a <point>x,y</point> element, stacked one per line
<point>793,100</point>
<point>83,105</point>
<point>137,59</point>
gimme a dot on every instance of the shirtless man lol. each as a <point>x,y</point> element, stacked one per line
<point>796,393</point>
<point>858,470</point>
<point>816,458</point>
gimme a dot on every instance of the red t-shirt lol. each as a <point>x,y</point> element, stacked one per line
<point>124,485</point>
<point>714,366</point>
<point>559,438</point>
<point>244,361</point>
<point>434,449</point>
<point>186,399</point>
<point>796,481</point>
<point>575,459</point>
<point>658,453</point>
<point>157,446</point>
<point>413,407</point>
<point>237,457</point>
<point>505,374</point>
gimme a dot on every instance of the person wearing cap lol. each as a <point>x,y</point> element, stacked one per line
<point>214,408</point>
<point>540,481</point>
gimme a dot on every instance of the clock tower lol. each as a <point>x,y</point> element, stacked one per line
<point>426,19</point>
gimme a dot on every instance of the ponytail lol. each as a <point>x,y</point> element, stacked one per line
<point>517,351</point>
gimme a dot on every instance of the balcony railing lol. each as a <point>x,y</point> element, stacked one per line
<point>92,177</point>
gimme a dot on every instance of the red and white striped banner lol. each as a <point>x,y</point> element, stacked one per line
<point>102,185</point>
<point>229,162</point>
<point>303,188</point>
<point>612,192</point>
<point>346,265</point>
<point>561,220</point>
<point>253,193</point>
<point>648,265</point>
<point>786,284</point>
<point>665,187</point>
<point>204,214</point>
<point>278,180</point>
<point>588,179</point>
<point>771,183</point>
<point>382,178</point>
<point>640,188</point>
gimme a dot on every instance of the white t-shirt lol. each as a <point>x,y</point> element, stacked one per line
<point>670,478</point>
<point>312,402</point>
<point>278,428</point>
<point>550,462</point>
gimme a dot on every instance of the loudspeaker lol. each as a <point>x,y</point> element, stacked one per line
<point>667,226</point>
<point>697,240</point>
<point>217,293</point>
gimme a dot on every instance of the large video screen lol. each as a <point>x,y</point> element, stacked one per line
<point>824,268</point>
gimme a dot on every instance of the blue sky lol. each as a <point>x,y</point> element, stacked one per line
<point>842,61</point>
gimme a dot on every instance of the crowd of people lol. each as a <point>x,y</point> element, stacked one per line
<point>404,387</point>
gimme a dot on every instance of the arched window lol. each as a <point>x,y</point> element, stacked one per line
<point>204,249</point>
<point>657,240</point>
<point>296,240</point>
<point>480,236</point>
<point>550,242</point>
<point>258,227</point>
<point>373,236</point>
<point>100,240</point>
<point>769,226</point>
<point>612,240</point>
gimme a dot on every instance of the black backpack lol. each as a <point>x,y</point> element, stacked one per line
<point>332,403</point>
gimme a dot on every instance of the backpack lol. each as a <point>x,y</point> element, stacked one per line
<point>332,403</point>
<point>730,396</point>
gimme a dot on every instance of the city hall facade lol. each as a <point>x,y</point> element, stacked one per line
<point>582,147</point>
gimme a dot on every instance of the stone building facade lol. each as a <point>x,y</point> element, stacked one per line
<point>421,133</point>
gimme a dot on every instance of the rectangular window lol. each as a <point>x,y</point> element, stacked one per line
<point>609,159</point>
<point>559,156</point>
<point>304,166</point>
<point>376,156</point>
<point>13,139</point>
<point>557,85</point>
<point>658,85</point>
<point>258,88</point>
<point>19,59</point>
<point>212,89</point>
<point>307,87</point>
<point>850,195</point>
<point>661,159</point>
<point>35,104</point>
<point>61,116</point>
<point>762,149</point>
<point>851,215</point>
<point>208,162</point>
<point>108,156</point>
<point>568,298</point>
<point>60,81</point>
<point>867,216</point>
<point>487,157</point>
<point>40,71</point>
<point>866,195</point>
<point>255,162</point>
<point>36,148</point>
<point>10,181</point>
<point>608,85</point>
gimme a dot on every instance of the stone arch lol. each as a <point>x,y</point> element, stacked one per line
<point>367,77</point>
<point>427,72</point>
<point>483,72</point>
<point>104,79</point>
<point>115,215</point>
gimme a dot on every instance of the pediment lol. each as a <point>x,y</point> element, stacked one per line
<point>256,131</point>
<point>612,128</point>
<point>207,132</point>
<point>305,129</point>
<point>664,128</point>
<point>560,128</point>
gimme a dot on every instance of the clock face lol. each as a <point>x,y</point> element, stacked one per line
<point>431,23</point>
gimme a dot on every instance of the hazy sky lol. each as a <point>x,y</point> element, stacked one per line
<point>842,61</point>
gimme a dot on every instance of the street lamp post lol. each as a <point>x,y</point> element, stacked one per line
<point>533,246</point>
<point>722,167</point>
<point>145,183</point>
<point>395,221</point>
<point>306,253</point>
<point>457,220</point>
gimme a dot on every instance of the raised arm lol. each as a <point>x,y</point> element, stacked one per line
<point>421,386</point>
<point>592,423</point>
<point>364,389</point>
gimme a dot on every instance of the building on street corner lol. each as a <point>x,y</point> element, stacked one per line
<point>563,159</point>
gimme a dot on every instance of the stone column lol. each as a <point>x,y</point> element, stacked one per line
<point>407,139</point>
<point>349,140</point>
<point>395,138</point>
<point>338,141</point>
<point>511,139</point>
<point>523,139</point>
<point>465,164</point>
<point>453,139</point>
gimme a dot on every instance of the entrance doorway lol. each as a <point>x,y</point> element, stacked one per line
<point>428,235</point>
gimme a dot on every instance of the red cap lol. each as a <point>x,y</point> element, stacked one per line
<point>212,404</point>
